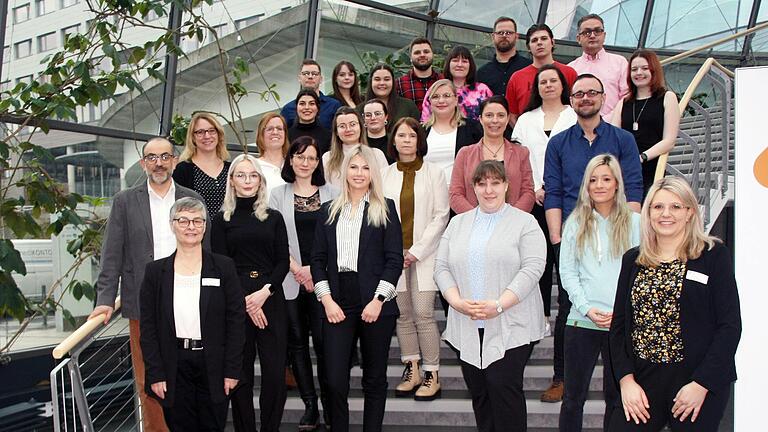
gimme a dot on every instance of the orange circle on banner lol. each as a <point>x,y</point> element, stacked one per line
<point>761,168</point>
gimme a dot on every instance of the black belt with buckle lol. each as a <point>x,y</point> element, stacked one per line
<point>189,344</point>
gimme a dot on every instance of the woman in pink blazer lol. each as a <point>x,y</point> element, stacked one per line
<point>493,146</point>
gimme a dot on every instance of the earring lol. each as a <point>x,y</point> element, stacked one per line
<point>386,122</point>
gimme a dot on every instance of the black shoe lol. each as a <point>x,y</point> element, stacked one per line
<point>311,417</point>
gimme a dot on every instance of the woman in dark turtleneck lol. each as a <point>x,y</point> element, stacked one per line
<point>255,237</point>
<point>307,108</point>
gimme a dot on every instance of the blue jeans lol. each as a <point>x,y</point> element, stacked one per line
<point>582,346</point>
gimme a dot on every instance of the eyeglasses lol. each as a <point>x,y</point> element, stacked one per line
<point>204,132</point>
<point>345,126</point>
<point>274,129</point>
<point>673,208</point>
<point>436,97</point>
<point>310,73</point>
<point>301,158</point>
<point>504,33</point>
<point>184,222</point>
<point>589,32</point>
<point>374,114</point>
<point>241,176</point>
<point>590,93</point>
<point>153,158</point>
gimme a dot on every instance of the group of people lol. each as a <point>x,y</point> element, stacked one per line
<point>469,186</point>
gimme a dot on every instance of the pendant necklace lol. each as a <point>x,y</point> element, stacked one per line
<point>494,154</point>
<point>635,125</point>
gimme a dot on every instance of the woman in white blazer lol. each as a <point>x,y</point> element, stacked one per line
<point>420,193</point>
<point>299,201</point>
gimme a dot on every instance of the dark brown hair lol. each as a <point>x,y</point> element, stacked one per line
<point>421,137</point>
<point>354,92</point>
<point>657,74</point>
<point>489,169</point>
<point>299,146</point>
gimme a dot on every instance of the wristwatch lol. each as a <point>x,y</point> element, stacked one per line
<point>381,298</point>
<point>644,157</point>
<point>499,309</point>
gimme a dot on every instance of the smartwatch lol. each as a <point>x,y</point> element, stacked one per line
<point>499,309</point>
<point>644,157</point>
<point>381,298</point>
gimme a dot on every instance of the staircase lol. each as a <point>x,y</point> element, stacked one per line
<point>453,412</point>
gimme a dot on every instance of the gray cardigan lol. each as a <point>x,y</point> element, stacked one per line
<point>281,199</point>
<point>518,249</point>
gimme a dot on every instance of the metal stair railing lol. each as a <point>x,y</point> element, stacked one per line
<point>92,389</point>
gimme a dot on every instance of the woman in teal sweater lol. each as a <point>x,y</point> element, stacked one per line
<point>596,235</point>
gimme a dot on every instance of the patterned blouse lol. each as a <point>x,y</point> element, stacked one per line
<point>656,334</point>
<point>469,101</point>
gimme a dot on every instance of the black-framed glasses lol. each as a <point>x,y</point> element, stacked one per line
<point>590,93</point>
<point>310,73</point>
<point>153,158</point>
<point>204,132</point>
<point>301,158</point>
<point>184,222</point>
<point>504,33</point>
<point>589,32</point>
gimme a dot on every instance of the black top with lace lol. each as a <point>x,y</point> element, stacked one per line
<point>306,213</point>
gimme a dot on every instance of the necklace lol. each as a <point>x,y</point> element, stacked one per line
<point>494,154</point>
<point>635,125</point>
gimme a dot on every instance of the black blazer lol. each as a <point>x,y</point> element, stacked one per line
<point>467,134</point>
<point>710,319</point>
<point>380,256</point>
<point>222,319</point>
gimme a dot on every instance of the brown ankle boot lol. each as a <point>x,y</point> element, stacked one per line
<point>554,393</point>
<point>410,381</point>
<point>430,387</point>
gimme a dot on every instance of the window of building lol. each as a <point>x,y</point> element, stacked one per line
<point>24,79</point>
<point>6,54</point>
<point>21,13</point>
<point>46,42</point>
<point>23,48</point>
<point>5,85</point>
<point>245,22</point>
<point>68,3</point>
<point>220,30</point>
<point>65,32</point>
<point>45,6</point>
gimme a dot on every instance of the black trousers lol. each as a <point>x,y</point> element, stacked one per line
<point>497,391</point>
<point>563,309</point>
<point>661,382</point>
<point>582,347</point>
<point>545,282</point>
<point>305,317</point>
<point>272,348</point>
<point>192,408</point>
<point>338,343</point>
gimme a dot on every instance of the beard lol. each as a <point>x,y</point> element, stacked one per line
<point>587,112</point>
<point>423,66</point>
<point>504,46</point>
<point>159,177</point>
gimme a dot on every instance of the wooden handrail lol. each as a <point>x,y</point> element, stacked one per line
<point>81,333</point>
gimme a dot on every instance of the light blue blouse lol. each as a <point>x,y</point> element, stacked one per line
<point>482,229</point>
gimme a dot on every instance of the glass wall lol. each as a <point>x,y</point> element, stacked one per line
<point>622,19</point>
<point>524,12</point>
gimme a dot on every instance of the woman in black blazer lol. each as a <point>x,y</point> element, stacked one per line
<point>676,320</point>
<point>356,285</point>
<point>192,315</point>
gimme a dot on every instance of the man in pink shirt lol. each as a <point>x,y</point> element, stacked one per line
<point>541,44</point>
<point>610,68</point>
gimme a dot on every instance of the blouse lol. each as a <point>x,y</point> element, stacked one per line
<point>212,189</point>
<point>442,150</point>
<point>186,306</point>
<point>272,174</point>
<point>482,229</point>
<point>469,101</point>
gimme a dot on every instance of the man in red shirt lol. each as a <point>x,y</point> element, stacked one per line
<point>419,79</point>
<point>541,44</point>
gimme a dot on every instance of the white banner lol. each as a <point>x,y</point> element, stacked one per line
<point>751,242</point>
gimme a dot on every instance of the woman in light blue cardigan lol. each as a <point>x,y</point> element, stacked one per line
<point>299,202</point>
<point>488,267</point>
<point>596,235</point>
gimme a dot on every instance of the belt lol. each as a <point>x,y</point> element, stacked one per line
<point>189,344</point>
<point>253,274</point>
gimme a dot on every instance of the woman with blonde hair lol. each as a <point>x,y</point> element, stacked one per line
<point>255,237</point>
<point>346,134</point>
<point>676,319</point>
<point>203,163</point>
<point>272,141</point>
<point>596,235</point>
<point>357,259</point>
<point>447,129</point>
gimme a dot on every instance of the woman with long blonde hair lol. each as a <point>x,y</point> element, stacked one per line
<point>676,319</point>
<point>596,235</point>
<point>346,133</point>
<point>255,237</point>
<point>203,164</point>
<point>357,259</point>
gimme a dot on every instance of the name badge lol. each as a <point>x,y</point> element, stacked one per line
<point>211,282</point>
<point>697,277</point>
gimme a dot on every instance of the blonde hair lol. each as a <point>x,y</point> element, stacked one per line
<point>230,197</point>
<point>263,126</point>
<point>336,153</point>
<point>695,238</point>
<point>458,116</point>
<point>619,220</point>
<point>190,149</point>
<point>378,211</point>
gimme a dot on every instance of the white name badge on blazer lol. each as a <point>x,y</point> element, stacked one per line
<point>211,282</point>
<point>697,277</point>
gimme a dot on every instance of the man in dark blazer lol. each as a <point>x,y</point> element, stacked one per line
<point>137,231</point>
